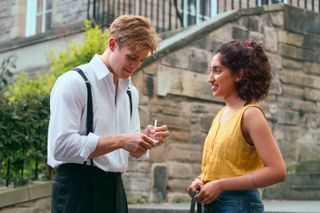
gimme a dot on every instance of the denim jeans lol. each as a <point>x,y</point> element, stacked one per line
<point>239,201</point>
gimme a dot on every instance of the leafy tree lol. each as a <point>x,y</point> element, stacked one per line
<point>24,112</point>
<point>95,43</point>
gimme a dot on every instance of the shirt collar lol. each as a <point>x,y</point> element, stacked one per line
<point>101,71</point>
<point>99,68</point>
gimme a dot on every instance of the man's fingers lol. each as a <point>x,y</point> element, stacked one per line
<point>150,141</point>
<point>161,135</point>
<point>161,128</point>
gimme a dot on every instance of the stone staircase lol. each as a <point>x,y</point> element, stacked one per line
<point>303,184</point>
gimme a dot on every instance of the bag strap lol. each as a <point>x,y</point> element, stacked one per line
<point>193,202</point>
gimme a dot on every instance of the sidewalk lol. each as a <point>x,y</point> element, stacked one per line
<point>271,206</point>
<point>296,206</point>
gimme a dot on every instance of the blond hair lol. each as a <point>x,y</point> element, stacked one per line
<point>135,32</point>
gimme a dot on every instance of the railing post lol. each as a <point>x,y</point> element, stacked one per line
<point>36,169</point>
<point>22,169</point>
<point>88,10</point>
<point>94,12</point>
<point>177,12</point>
<point>8,174</point>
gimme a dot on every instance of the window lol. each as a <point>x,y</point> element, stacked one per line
<point>196,11</point>
<point>38,16</point>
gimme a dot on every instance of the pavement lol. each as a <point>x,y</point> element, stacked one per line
<point>271,206</point>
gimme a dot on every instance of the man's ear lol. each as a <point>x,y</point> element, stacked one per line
<point>240,75</point>
<point>112,44</point>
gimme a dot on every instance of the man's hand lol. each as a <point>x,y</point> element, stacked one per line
<point>137,144</point>
<point>159,134</point>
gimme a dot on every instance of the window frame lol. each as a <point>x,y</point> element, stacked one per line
<point>197,11</point>
<point>32,26</point>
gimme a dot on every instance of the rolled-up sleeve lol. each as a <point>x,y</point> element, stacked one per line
<point>67,139</point>
<point>90,146</point>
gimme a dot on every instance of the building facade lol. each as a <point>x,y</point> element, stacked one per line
<point>173,83</point>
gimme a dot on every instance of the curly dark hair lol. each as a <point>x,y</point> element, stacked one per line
<point>250,59</point>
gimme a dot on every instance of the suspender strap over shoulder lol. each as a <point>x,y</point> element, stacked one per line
<point>89,101</point>
<point>89,105</point>
<point>130,99</point>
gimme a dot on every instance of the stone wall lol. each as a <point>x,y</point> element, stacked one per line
<point>67,27</point>
<point>32,198</point>
<point>68,12</point>
<point>12,17</point>
<point>7,20</point>
<point>174,90</point>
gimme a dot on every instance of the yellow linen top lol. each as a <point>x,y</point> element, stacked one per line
<point>225,152</point>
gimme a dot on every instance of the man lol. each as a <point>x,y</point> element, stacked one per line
<point>89,163</point>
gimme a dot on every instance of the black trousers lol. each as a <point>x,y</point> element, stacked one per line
<point>86,189</point>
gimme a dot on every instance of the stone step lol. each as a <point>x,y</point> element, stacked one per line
<point>298,186</point>
<point>309,166</point>
<point>305,178</point>
<point>306,187</point>
<point>293,192</point>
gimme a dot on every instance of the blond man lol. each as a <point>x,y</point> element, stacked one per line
<point>91,139</point>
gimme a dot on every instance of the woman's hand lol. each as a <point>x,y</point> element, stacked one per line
<point>209,192</point>
<point>195,185</point>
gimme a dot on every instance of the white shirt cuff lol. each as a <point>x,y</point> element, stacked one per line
<point>142,157</point>
<point>90,145</point>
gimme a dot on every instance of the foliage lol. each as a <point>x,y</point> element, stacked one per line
<point>24,108</point>
<point>95,42</point>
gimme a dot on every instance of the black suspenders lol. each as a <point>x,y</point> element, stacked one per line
<point>130,100</point>
<point>89,104</point>
<point>89,101</point>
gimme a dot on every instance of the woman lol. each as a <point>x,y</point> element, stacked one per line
<point>240,153</point>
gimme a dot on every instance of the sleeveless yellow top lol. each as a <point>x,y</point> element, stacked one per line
<point>225,152</point>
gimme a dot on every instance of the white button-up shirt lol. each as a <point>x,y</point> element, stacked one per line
<point>67,139</point>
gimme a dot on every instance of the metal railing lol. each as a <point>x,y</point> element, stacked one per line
<point>168,15</point>
<point>164,14</point>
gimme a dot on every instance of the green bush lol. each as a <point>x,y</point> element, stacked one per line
<point>24,110</point>
<point>95,42</point>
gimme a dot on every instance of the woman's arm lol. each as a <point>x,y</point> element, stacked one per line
<point>255,126</point>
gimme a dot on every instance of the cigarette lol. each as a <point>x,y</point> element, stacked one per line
<point>155,126</point>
